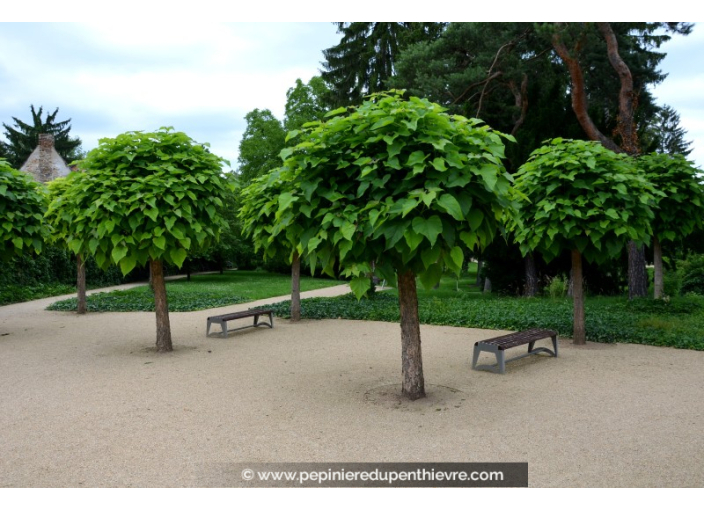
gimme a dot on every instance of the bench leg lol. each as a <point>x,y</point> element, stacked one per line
<point>207,331</point>
<point>502,361</point>
<point>554,344</point>
<point>256,320</point>
<point>224,329</point>
<point>475,357</point>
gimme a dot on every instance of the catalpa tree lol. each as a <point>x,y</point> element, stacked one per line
<point>580,197</point>
<point>681,207</point>
<point>400,185</point>
<point>22,207</point>
<point>275,231</point>
<point>145,198</point>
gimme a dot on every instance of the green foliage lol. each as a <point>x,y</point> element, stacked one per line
<point>680,209</point>
<point>397,182</point>
<point>200,293</point>
<point>692,271</point>
<point>23,138</point>
<point>22,207</point>
<point>20,293</point>
<point>142,196</point>
<point>558,286</point>
<point>305,103</point>
<point>260,146</point>
<point>675,323</point>
<point>579,195</point>
<point>364,59</point>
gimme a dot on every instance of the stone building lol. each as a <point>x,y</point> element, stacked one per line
<point>45,164</point>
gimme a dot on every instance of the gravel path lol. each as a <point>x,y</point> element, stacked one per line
<point>86,401</point>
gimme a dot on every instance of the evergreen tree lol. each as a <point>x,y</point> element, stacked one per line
<point>364,59</point>
<point>666,135</point>
<point>23,138</point>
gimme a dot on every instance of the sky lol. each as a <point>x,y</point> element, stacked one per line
<point>202,78</point>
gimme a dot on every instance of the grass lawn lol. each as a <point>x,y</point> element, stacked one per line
<point>202,292</point>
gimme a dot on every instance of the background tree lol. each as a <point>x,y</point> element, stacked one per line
<point>365,57</point>
<point>146,198</point>
<point>60,218</point>
<point>666,135</point>
<point>305,103</point>
<point>275,234</point>
<point>23,138</point>
<point>680,211</point>
<point>400,184</point>
<point>580,197</point>
<point>22,207</point>
<point>261,144</point>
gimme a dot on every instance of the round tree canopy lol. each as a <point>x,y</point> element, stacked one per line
<point>144,196</point>
<point>22,207</point>
<point>399,183</point>
<point>579,195</point>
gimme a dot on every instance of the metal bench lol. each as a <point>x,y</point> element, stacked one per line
<point>499,345</point>
<point>223,319</point>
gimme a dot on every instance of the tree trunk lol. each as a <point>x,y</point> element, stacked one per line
<point>188,270</point>
<point>531,288</point>
<point>579,335</point>
<point>411,359</point>
<point>657,262</point>
<point>163,327</point>
<point>296,287</point>
<point>81,284</point>
<point>637,274</point>
<point>480,263</point>
<point>487,285</point>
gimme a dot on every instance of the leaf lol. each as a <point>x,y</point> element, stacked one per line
<point>458,257</point>
<point>360,285</point>
<point>430,256</point>
<point>285,200</point>
<point>431,276</point>
<point>450,205</point>
<point>178,255</point>
<point>160,242</point>
<point>475,218</point>
<point>152,213</point>
<point>118,253</point>
<point>489,175</point>
<point>413,239</point>
<point>430,228</point>
<point>127,264</point>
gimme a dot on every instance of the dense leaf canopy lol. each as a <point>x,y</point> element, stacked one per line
<point>22,207</point>
<point>399,183</point>
<point>681,209</point>
<point>142,196</point>
<point>580,195</point>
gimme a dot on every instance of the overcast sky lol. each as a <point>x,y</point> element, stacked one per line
<point>203,78</point>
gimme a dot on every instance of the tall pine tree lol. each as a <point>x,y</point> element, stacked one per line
<point>365,57</point>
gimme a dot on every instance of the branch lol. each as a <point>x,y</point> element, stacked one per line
<point>626,96</point>
<point>579,96</point>
<point>521,97</point>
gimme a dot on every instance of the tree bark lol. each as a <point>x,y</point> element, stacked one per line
<point>480,263</point>
<point>487,285</point>
<point>296,287</point>
<point>163,326</point>
<point>411,359</point>
<point>657,262</point>
<point>579,335</point>
<point>578,92</point>
<point>637,274</point>
<point>531,288</point>
<point>81,285</point>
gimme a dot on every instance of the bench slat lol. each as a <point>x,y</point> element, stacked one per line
<point>518,338</point>
<point>239,315</point>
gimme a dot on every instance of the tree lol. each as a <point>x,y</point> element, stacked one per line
<point>60,218</point>
<point>364,59</point>
<point>145,198</point>
<point>22,207</point>
<point>625,135</point>
<point>276,235</point>
<point>581,197</point>
<point>667,135</point>
<point>305,103</point>
<point>681,208</point>
<point>23,138</point>
<point>400,184</point>
<point>261,144</point>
